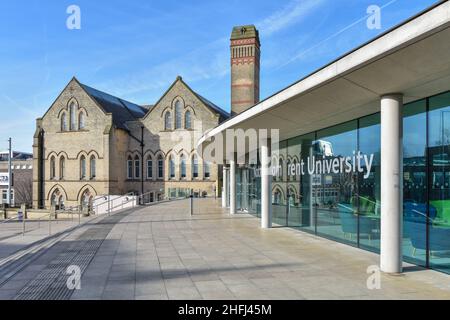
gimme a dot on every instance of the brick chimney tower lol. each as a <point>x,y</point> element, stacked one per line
<point>245,56</point>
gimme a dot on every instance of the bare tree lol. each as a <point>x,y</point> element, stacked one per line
<point>23,189</point>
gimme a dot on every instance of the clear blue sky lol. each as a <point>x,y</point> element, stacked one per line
<point>135,49</point>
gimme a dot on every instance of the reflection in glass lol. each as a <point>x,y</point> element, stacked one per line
<point>369,198</point>
<point>335,194</point>
<point>414,182</point>
<point>439,193</point>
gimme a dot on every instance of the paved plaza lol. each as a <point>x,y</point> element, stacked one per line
<point>161,252</point>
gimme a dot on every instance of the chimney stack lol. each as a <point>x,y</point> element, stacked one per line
<point>245,56</point>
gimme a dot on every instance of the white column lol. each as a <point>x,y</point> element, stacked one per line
<point>224,188</point>
<point>391,183</point>
<point>266,189</point>
<point>232,185</point>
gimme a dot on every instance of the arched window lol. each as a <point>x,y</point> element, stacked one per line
<point>56,196</point>
<point>52,168</point>
<point>281,173</point>
<point>178,114</point>
<point>160,167</point>
<point>62,168</point>
<point>294,170</point>
<point>168,121</point>
<point>93,168</point>
<point>171,168</point>
<point>73,116</point>
<point>86,200</point>
<point>81,124</point>
<point>149,167</point>
<point>137,167</point>
<point>276,198</point>
<point>83,167</point>
<point>64,122</point>
<point>206,170</point>
<point>288,170</point>
<point>183,166</point>
<point>187,120</point>
<point>129,168</point>
<point>195,166</point>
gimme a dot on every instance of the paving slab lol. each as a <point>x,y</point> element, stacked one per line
<point>160,252</point>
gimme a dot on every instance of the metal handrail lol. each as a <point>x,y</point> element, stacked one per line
<point>9,219</point>
<point>129,194</point>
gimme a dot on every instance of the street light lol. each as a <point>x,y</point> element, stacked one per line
<point>8,197</point>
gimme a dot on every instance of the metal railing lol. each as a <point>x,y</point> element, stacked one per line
<point>52,216</point>
<point>137,200</point>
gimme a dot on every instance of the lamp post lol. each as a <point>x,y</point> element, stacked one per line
<point>9,173</point>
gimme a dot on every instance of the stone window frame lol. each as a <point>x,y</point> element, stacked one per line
<point>52,170</point>
<point>187,125</point>
<point>137,167</point>
<point>81,120</point>
<point>62,168</point>
<point>168,120</point>
<point>160,168</point>
<point>149,166</point>
<point>73,108</point>
<point>178,108</point>
<point>92,167</point>
<point>64,127</point>
<point>206,165</point>
<point>171,174</point>
<point>129,167</point>
<point>83,167</point>
<point>195,166</point>
<point>183,162</point>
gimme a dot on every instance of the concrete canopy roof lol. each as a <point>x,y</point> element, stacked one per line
<point>412,58</point>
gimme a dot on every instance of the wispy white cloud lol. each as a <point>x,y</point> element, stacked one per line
<point>314,47</point>
<point>210,61</point>
<point>294,12</point>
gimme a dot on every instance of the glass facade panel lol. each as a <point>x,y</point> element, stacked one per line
<point>415,182</point>
<point>248,190</point>
<point>328,183</point>
<point>293,199</point>
<point>334,192</point>
<point>439,182</point>
<point>369,197</point>
<point>279,188</point>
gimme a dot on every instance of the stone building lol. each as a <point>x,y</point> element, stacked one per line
<point>90,143</point>
<point>22,177</point>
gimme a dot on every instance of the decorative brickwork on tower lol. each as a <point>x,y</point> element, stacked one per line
<point>245,56</point>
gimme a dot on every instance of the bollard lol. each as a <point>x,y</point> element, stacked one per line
<point>23,224</point>
<point>50,224</point>
<point>191,204</point>
<point>109,205</point>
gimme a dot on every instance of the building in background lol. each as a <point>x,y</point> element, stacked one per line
<point>90,144</point>
<point>22,178</point>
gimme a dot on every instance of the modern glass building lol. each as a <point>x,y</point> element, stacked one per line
<point>364,157</point>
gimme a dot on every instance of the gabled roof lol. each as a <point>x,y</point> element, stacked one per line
<point>214,107</point>
<point>121,110</point>
<point>223,115</point>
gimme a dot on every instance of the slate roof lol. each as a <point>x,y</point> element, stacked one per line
<point>124,111</point>
<point>121,110</point>
<point>223,113</point>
